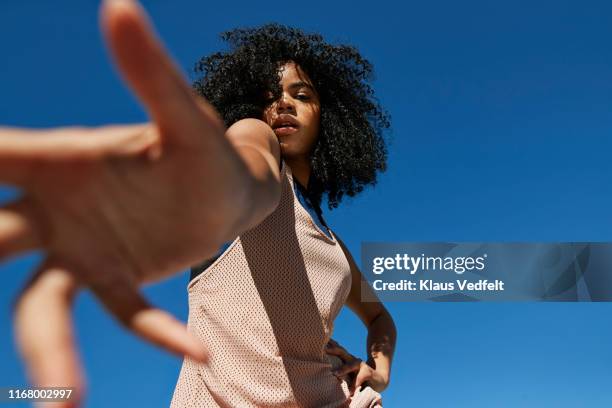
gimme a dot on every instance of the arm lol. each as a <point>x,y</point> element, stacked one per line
<point>116,206</point>
<point>258,148</point>
<point>379,323</point>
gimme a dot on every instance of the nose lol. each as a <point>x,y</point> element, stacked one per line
<point>285,104</point>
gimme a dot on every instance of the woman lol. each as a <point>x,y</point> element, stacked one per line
<point>104,208</point>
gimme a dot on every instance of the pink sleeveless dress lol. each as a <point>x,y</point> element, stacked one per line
<point>265,310</point>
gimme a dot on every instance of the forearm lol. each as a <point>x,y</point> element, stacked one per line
<point>381,344</point>
<point>256,188</point>
<point>261,187</point>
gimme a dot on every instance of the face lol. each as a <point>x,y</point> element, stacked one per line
<point>295,116</point>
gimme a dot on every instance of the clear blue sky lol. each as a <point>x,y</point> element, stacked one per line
<point>502,129</point>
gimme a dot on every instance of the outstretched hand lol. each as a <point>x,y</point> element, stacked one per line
<point>117,206</point>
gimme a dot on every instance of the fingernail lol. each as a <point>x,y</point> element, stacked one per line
<point>198,352</point>
<point>202,357</point>
<point>119,5</point>
<point>113,2</point>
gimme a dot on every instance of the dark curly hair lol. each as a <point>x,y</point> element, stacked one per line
<point>350,147</point>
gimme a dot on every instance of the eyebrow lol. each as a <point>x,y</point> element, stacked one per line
<point>301,84</point>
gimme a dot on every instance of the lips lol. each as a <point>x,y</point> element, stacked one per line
<point>285,125</point>
<point>285,130</point>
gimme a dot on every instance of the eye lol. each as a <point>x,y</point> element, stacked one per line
<point>268,97</point>
<point>303,97</point>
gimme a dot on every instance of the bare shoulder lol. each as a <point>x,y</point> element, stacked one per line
<point>257,134</point>
<point>254,131</point>
<point>250,124</point>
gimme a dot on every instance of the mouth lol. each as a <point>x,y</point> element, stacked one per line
<point>285,130</point>
<point>285,125</point>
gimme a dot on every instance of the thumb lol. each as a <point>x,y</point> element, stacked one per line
<point>133,311</point>
<point>146,67</point>
<point>361,378</point>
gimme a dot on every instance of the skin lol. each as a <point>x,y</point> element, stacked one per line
<point>301,100</point>
<point>381,338</point>
<point>80,186</point>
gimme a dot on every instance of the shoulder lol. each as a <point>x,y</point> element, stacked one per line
<point>256,134</point>
<point>251,129</point>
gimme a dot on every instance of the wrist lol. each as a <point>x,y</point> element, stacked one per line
<point>382,376</point>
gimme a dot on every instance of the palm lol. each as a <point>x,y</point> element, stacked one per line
<point>125,212</point>
<point>114,207</point>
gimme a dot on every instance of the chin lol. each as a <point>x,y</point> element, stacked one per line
<point>293,147</point>
<point>287,149</point>
<point>291,152</point>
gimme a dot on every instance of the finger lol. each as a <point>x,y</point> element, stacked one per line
<point>145,65</point>
<point>362,377</point>
<point>340,352</point>
<point>26,153</point>
<point>20,229</point>
<point>125,302</point>
<point>351,366</point>
<point>44,335</point>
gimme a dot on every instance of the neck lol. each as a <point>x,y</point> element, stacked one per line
<point>300,168</point>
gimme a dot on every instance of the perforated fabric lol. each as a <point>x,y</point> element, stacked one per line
<point>265,311</point>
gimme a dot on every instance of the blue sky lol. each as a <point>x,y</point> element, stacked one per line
<point>501,132</point>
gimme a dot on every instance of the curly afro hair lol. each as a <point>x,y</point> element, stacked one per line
<point>350,148</point>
